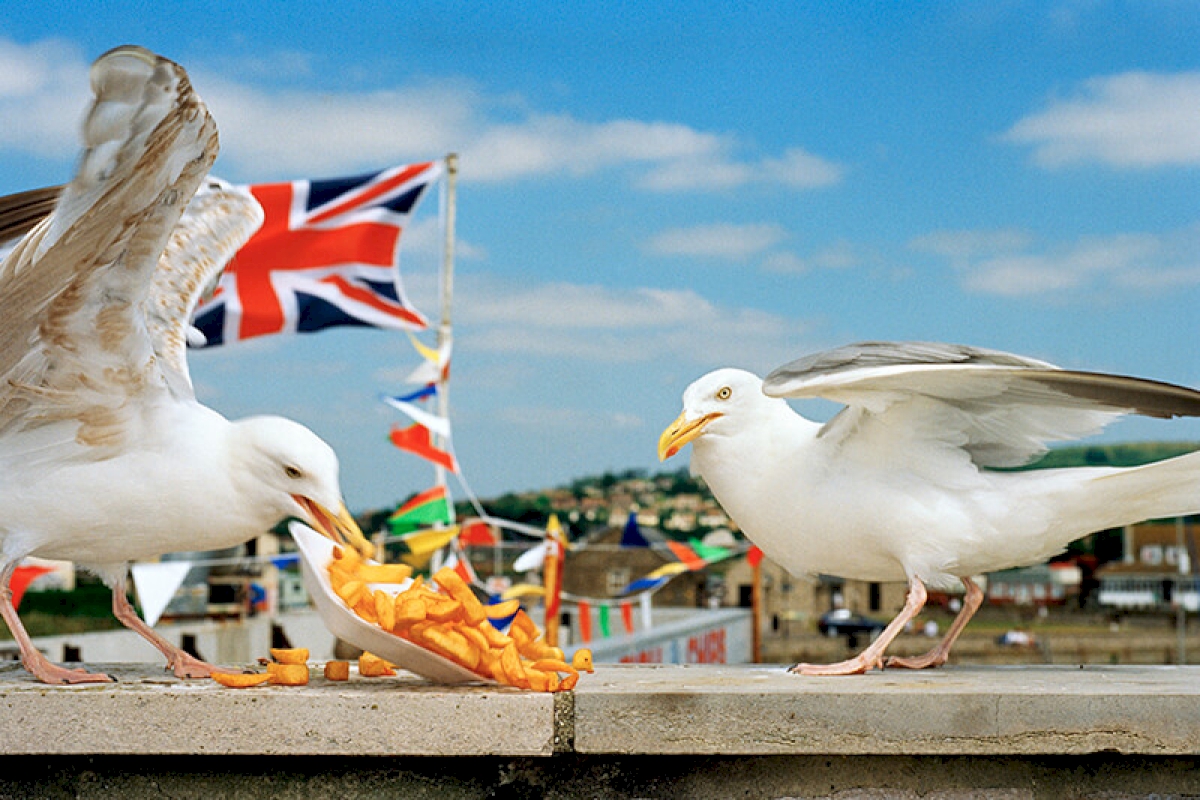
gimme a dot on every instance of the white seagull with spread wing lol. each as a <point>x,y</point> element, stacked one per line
<point>106,457</point>
<point>903,484</point>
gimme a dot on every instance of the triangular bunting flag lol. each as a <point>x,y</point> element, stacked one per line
<point>531,559</point>
<point>669,570</point>
<point>686,555</point>
<point>427,508</point>
<point>632,535</point>
<point>643,585</point>
<point>439,425</point>
<point>156,583</point>
<point>520,590</point>
<point>416,439</point>
<point>429,390</point>
<point>435,367</point>
<point>708,552</point>
<point>21,578</point>
<point>477,533</point>
<point>417,548</point>
<point>585,621</point>
<point>627,616</point>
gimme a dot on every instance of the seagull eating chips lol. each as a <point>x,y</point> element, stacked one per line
<point>106,456</point>
<point>906,483</point>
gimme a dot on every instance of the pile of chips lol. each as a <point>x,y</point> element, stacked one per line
<point>445,617</point>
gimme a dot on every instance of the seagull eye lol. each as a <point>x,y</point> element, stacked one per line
<point>724,393</point>
<point>292,472</point>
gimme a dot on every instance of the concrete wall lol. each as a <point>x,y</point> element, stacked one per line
<point>694,731</point>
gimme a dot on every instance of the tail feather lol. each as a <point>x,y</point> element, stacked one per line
<point>1125,495</point>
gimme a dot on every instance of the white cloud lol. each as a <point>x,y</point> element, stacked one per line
<point>617,326</point>
<point>719,169</point>
<point>1129,120</point>
<point>720,240</point>
<point>271,132</point>
<point>965,244</point>
<point>1014,263</point>
<point>43,90</point>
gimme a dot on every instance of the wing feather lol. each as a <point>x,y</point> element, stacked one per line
<point>217,222</point>
<point>1003,409</point>
<point>74,343</point>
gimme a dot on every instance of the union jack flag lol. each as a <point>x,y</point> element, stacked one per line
<point>326,254</point>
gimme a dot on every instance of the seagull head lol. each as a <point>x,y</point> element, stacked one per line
<point>296,475</point>
<point>721,403</point>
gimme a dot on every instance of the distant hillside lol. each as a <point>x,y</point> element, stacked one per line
<point>1113,455</point>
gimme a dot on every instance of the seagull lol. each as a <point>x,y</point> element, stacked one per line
<point>106,456</point>
<point>912,480</point>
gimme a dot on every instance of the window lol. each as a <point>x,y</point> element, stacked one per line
<point>616,580</point>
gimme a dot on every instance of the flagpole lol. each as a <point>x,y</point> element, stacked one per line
<point>444,329</point>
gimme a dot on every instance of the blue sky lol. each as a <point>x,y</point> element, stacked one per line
<point>649,193</point>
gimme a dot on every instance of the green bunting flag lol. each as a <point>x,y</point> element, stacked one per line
<point>430,507</point>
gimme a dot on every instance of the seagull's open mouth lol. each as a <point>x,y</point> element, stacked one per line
<point>682,431</point>
<point>337,525</point>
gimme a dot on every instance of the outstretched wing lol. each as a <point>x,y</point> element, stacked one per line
<point>74,344</point>
<point>219,219</point>
<point>21,212</point>
<point>1001,408</point>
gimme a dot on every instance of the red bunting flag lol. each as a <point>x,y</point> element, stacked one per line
<point>416,439</point>
<point>585,621</point>
<point>686,555</point>
<point>21,578</point>
<point>627,616</point>
<point>477,533</point>
<point>754,556</point>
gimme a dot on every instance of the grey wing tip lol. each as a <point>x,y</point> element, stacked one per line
<point>868,354</point>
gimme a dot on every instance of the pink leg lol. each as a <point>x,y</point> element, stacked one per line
<point>872,657</point>
<point>938,655</point>
<point>184,664</point>
<point>31,658</point>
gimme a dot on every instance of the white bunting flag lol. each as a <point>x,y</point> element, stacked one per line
<point>156,583</point>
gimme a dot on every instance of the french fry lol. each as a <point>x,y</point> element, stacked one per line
<point>495,638</point>
<point>453,583</point>
<point>287,674</point>
<point>351,591</point>
<point>337,670</point>
<point>241,680</point>
<point>384,573</point>
<point>449,643</point>
<point>523,626</point>
<point>538,650</point>
<point>553,665</point>
<point>385,609</point>
<point>582,660</point>
<point>503,609</point>
<point>292,655</point>
<point>476,637</point>
<point>446,617</point>
<point>409,611</point>
<point>372,666</point>
<point>443,609</point>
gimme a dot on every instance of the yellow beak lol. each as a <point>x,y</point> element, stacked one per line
<point>337,525</point>
<point>680,432</point>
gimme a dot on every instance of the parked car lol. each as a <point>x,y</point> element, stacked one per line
<point>841,622</point>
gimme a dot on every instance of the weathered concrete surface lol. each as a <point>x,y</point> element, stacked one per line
<point>627,731</point>
<point>762,710</point>
<point>150,712</point>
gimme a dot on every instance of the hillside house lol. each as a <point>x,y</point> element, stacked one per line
<point>1157,571</point>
